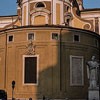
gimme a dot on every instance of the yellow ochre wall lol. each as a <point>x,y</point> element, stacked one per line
<point>58,14</point>
<point>53,66</point>
<point>39,20</point>
<point>24,15</point>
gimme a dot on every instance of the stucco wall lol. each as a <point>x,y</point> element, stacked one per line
<point>53,63</point>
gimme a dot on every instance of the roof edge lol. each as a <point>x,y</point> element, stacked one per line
<point>52,26</point>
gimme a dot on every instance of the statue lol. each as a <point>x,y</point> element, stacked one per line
<point>92,72</point>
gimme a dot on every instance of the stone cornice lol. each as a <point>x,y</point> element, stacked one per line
<point>40,10</point>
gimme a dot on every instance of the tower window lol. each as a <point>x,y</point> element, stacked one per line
<point>40,4</point>
<point>68,8</point>
<point>30,36</point>
<point>55,36</point>
<point>68,21</point>
<point>76,38</point>
<point>10,38</point>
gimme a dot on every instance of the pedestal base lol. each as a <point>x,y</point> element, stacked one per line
<point>93,94</point>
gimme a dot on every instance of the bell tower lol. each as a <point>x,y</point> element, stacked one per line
<point>41,12</point>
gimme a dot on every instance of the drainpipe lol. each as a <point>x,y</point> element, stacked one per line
<point>5,60</point>
<point>60,37</point>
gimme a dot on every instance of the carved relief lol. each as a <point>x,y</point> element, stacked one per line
<point>31,48</point>
<point>87,26</point>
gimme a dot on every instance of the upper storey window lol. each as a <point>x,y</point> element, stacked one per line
<point>30,36</point>
<point>68,9</point>
<point>40,5</point>
<point>76,38</point>
<point>10,38</point>
<point>55,36</point>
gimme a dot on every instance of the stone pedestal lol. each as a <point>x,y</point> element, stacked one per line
<point>93,94</point>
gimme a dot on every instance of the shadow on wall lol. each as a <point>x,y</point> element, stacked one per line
<point>54,74</point>
<point>49,72</point>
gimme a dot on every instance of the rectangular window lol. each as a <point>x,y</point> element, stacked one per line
<point>10,38</point>
<point>30,69</point>
<point>76,70</point>
<point>30,36</point>
<point>55,36</point>
<point>76,38</point>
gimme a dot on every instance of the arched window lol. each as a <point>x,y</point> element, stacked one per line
<point>68,9</point>
<point>68,21</point>
<point>40,4</point>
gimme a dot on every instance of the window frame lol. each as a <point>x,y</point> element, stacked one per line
<point>24,69</point>
<point>33,37</point>
<point>35,6</point>
<point>52,36</point>
<point>74,37</point>
<point>8,38</point>
<point>71,83</point>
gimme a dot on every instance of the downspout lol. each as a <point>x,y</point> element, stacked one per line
<point>60,36</point>
<point>5,60</point>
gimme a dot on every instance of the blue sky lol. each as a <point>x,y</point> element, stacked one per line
<point>91,3</point>
<point>8,7</point>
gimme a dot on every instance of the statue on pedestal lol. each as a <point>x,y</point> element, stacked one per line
<point>92,72</point>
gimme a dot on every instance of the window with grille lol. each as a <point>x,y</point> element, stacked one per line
<point>55,36</point>
<point>30,36</point>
